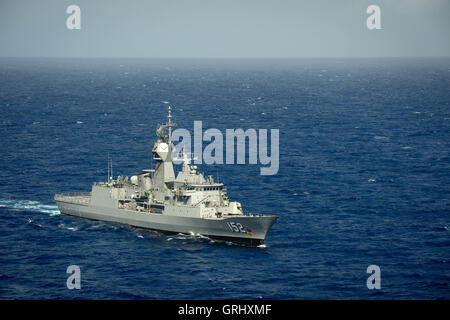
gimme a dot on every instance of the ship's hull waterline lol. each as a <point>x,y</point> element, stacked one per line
<point>252,232</point>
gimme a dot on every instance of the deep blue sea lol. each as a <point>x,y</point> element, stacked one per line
<point>364,177</point>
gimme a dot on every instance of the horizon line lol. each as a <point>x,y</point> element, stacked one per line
<point>226,58</point>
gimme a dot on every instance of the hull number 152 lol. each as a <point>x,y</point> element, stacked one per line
<point>236,227</point>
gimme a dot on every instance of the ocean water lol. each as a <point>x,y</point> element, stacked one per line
<point>364,177</point>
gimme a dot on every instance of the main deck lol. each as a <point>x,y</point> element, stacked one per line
<point>83,198</point>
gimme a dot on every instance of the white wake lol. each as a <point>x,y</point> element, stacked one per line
<point>30,206</point>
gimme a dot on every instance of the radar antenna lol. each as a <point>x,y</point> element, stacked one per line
<point>169,124</point>
<point>162,128</point>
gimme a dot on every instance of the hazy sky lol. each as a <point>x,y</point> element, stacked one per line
<point>224,28</point>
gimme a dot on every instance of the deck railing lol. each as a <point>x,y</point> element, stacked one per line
<point>74,197</point>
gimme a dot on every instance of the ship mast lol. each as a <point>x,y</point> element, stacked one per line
<point>170,125</point>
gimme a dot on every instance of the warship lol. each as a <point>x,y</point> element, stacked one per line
<point>156,199</point>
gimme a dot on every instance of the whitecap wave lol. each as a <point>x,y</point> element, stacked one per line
<point>63,226</point>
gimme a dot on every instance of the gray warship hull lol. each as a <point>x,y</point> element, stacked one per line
<point>218,229</point>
